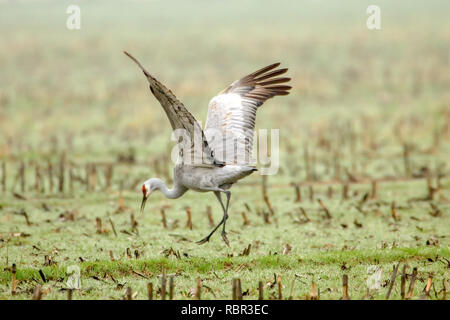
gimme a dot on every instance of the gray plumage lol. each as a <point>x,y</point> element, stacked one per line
<point>224,155</point>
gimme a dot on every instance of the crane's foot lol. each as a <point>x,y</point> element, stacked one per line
<point>204,240</point>
<point>225,239</point>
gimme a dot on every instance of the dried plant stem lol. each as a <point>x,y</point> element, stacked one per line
<point>269,205</point>
<point>303,211</point>
<point>298,193</point>
<point>4,176</point>
<point>41,273</point>
<point>291,293</point>
<point>210,217</point>
<point>280,288</point>
<point>345,188</point>
<point>99,225</point>
<point>429,284</point>
<point>246,251</point>
<point>112,226</point>
<point>391,284</point>
<point>307,164</point>
<point>189,218</point>
<point>265,195</point>
<point>163,218</point>
<point>87,169</point>
<point>330,192</point>
<point>444,289</point>
<point>25,215</point>
<point>38,186</point>
<point>71,177</point>
<point>171,288</point>
<point>239,289</point>
<point>264,186</point>
<point>62,163</point>
<point>394,214</point>
<point>108,176</point>
<point>431,190</point>
<point>163,285</point>
<point>260,290</point>
<point>325,209</point>
<point>406,161</point>
<point>50,176</point>
<point>13,279</point>
<point>129,294</point>
<point>198,289</point>
<point>93,176</point>
<point>411,284</point>
<point>37,294</point>
<point>234,289</point>
<point>7,252</point>
<point>337,165</point>
<point>244,216</point>
<point>134,224</point>
<point>403,283</point>
<point>314,294</point>
<point>345,295</point>
<point>22,176</point>
<point>150,291</point>
<point>374,190</point>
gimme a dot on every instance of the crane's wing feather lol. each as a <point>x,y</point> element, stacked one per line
<point>230,122</point>
<point>198,152</point>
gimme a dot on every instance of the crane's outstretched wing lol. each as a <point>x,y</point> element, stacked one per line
<point>231,116</point>
<point>198,153</point>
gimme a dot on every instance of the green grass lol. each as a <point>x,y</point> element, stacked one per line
<point>358,98</point>
<point>187,269</point>
<point>321,250</point>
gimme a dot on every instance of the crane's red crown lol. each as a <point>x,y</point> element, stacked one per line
<point>144,190</point>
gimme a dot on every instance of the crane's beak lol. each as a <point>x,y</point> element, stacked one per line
<point>144,200</point>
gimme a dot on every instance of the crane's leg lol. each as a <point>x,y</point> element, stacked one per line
<point>225,217</point>
<point>206,239</point>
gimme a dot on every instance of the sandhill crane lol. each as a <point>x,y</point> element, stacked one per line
<point>231,115</point>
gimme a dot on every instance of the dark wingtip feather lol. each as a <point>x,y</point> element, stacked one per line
<point>270,74</point>
<point>261,84</point>
<point>264,70</point>
<point>283,88</point>
<point>274,81</point>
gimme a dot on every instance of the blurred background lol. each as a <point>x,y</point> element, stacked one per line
<point>360,95</point>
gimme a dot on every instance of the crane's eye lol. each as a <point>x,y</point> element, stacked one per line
<point>144,190</point>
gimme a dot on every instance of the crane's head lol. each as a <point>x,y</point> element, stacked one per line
<point>146,191</point>
<point>147,188</point>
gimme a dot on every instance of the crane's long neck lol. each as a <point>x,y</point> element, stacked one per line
<point>176,192</point>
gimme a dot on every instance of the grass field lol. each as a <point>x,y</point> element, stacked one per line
<point>80,132</point>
